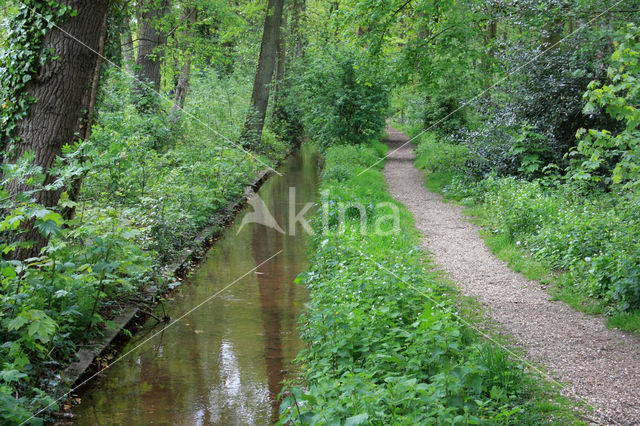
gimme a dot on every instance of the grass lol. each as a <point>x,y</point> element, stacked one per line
<point>626,321</point>
<point>438,180</point>
<point>391,340</point>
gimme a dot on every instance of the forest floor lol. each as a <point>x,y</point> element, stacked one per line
<point>598,365</point>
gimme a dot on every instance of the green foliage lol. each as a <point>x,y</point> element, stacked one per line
<point>385,342</point>
<point>339,163</point>
<point>455,73</point>
<point>594,237</point>
<point>342,95</point>
<point>51,303</point>
<point>149,185</point>
<point>590,234</point>
<point>20,58</point>
<point>436,157</point>
<point>530,148</point>
<point>171,183</point>
<point>603,154</point>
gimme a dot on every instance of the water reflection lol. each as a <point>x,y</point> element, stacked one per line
<point>224,363</point>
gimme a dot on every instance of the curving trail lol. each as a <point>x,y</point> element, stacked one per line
<point>600,366</point>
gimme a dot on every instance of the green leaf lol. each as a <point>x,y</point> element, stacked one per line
<point>9,272</point>
<point>10,376</point>
<point>48,228</point>
<point>356,420</point>
<point>42,327</point>
<point>17,323</point>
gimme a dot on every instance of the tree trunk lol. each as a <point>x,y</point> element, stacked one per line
<point>298,9</point>
<point>127,47</point>
<point>59,87</point>
<point>490,39</point>
<point>252,132</point>
<point>95,82</point>
<point>492,34</point>
<point>189,18</point>
<point>88,111</point>
<point>280,66</point>
<point>182,87</point>
<point>150,56</point>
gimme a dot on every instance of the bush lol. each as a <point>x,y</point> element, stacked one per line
<point>438,157</point>
<point>149,187</point>
<point>610,155</point>
<point>343,97</point>
<point>52,302</point>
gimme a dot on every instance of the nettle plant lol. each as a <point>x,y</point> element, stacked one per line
<point>51,302</point>
<point>609,156</point>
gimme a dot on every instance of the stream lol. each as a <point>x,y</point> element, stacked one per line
<point>224,363</point>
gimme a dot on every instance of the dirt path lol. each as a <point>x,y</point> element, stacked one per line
<point>601,366</point>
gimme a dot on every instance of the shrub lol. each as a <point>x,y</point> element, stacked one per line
<point>610,155</point>
<point>343,97</point>
<point>437,157</point>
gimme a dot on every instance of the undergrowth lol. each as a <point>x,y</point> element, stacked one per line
<point>583,247</point>
<point>385,341</point>
<point>149,186</point>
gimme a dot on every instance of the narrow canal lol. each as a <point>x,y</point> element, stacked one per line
<point>224,363</point>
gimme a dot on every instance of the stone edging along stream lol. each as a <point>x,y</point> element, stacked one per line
<point>85,358</point>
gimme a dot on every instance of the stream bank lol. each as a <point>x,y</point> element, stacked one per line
<point>224,362</point>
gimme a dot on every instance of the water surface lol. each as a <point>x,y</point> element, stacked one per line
<point>224,363</point>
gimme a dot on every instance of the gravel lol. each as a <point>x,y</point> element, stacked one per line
<point>599,365</point>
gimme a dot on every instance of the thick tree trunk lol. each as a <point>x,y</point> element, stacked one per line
<point>252,132</point>
<point>150,56</point>
<point>127,47</point>
<point>88,111</point>
<point>59,87</point>
<point>189,18</point>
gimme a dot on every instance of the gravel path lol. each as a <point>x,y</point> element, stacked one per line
<point>600,366</point>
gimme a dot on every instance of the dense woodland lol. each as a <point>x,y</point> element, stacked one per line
<point>127,125</point>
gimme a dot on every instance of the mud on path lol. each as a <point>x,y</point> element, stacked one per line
<point>599,366</point>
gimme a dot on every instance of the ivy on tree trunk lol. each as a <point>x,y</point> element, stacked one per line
<point>58,87</point>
